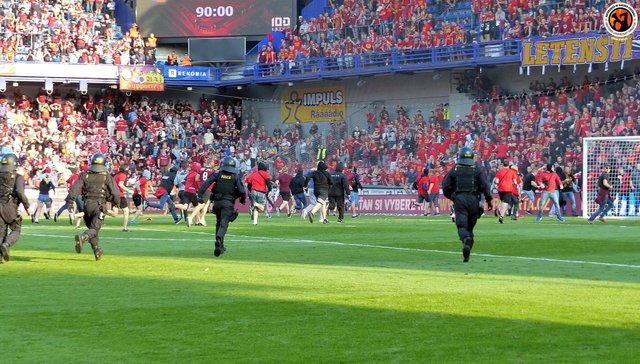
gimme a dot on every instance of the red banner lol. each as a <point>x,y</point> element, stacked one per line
<point>402,204</point>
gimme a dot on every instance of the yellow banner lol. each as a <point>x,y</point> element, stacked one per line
<point>7,69</point>
<point>320,104</point>
<point>141,78</point>
<point>599,49</point>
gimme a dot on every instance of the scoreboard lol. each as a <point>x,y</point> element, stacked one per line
<point>206,18</point>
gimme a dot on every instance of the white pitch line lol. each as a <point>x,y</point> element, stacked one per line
<point>448,252</point>
<point>258,239</point>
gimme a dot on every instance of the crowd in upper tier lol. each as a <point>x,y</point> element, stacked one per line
<point>70,31</point>
<point>85,31</point>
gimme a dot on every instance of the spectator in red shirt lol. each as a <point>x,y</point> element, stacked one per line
<point>434,193</point>
<point>548,181</point>
<point>505,179</point>
<point>422,184</point>
<point>121,129</point>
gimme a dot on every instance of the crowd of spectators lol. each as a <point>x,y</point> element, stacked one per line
<point>85,31</point>
<point>69,31</point>
<point>544,124</point>
<point>355,27</point>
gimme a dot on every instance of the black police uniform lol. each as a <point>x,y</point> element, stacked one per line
<point>339,189</point>
<point>464,185</point>
<point>11,196</point>
<point>228,187</point>
<point>97,188</point>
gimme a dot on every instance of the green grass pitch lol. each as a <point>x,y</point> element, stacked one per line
<point>374,290</point>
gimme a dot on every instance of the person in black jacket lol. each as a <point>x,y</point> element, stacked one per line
<point>339,189</point>
<point>297,190</point>
<point>164,194</point>
<point>11,196</point>
<point>321,183</point>
<point>227,188</point>
<point>356,188</point>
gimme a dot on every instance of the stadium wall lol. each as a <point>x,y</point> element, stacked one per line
<point>416,91</point>
<point>419,91</point>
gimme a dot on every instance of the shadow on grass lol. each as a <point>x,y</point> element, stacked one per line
<point>78,318</point>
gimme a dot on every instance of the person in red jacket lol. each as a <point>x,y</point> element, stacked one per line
<point>515,195</point>
<point>284,179</point>
<point>548,181</point>
<point>140,193</point>
<point>505,179</point>
<point>257,184</point>
<point>191,184</point>
<point>121,182</point>
<point>423,185</point>
<point>434,193</point>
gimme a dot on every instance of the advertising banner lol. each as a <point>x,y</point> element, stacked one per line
<point>187,73</point>
<point>141,78</point>
<point>573,51</point>
<point>320,104</point>
<point>372,205</point>
<point>7,69</point>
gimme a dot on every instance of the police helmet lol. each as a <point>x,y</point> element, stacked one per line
<point>8,162</point>
<point>465,157</point>
<point>228,164</point>
<point>98,163</point>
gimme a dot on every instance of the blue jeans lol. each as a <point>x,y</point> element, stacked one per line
<point>569,196</point>
<point>553,195</point>
<point>603,209</point>
<point>301,200</point>
<point>165,199</point>
<point>62,208</point>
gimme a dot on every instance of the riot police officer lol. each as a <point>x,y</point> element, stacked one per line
<point>98,187</point>
<point>464,185</point>
<point>227,188</point>
<point>11,196</point>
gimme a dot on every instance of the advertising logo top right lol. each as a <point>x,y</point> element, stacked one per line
<point>620,20</point>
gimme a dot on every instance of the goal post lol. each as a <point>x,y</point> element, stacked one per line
<point>623,154</point>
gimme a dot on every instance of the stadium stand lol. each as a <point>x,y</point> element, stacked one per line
<point>546,124</point>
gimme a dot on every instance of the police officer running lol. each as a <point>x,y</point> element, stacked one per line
<point>464,185</point>
<point>227,188</point>
<point>11,196</point>
<point>98,187</point>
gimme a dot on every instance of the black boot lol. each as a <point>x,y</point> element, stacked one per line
<point>219,249</point>
<point>97,252</point>
<point>467,244</point>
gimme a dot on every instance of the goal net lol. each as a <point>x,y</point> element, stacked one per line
<point>623,154</point>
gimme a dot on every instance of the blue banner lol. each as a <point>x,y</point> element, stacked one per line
<point>187,73</point>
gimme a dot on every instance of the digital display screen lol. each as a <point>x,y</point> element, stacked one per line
<point>206,18</point>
